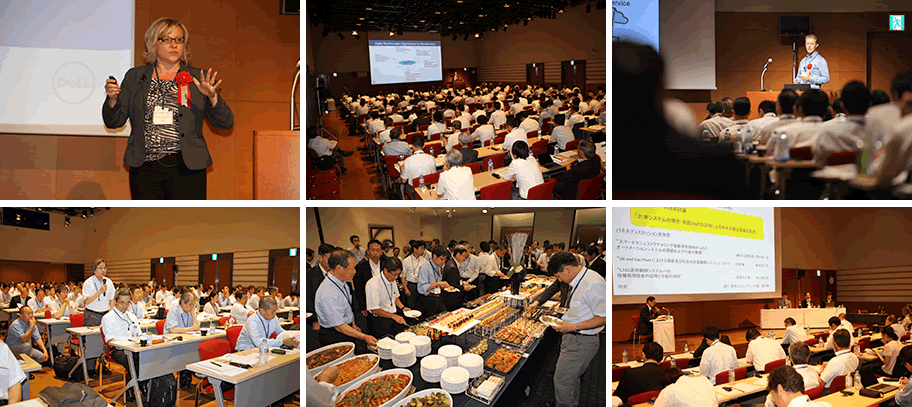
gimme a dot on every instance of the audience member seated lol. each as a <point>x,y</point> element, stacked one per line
<point>456,180</point>
<point>643,378</point>
<point>718,357</point>
<point>786,389</point>
<point>681,390</point>
<point>587,166</point>
<point>469,155</point>
<point>845,362</point>
<point>793,332</point>
<point>761,350</point>
<point>524,170</point>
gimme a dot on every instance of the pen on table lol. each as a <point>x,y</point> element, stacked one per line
<point>215,364</point>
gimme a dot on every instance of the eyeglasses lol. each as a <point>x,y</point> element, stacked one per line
<point>167,40</point>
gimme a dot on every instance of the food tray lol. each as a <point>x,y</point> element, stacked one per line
<point>319,369</point>
<point>374,369</point>
<point>391,402</point>
<point>475,383</point>
<point>506,352</point>
<point>407,399</point>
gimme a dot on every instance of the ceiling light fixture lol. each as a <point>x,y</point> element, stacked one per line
<point>391,34</point>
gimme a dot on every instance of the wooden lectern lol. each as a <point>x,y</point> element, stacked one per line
<point>276,165</point>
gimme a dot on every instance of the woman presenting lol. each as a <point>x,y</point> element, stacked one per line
<point>165,102</point>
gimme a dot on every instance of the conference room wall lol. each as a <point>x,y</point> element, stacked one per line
<point>59,245</point>
<point>340,223</point>
<point>253,48</point>
<point>806,243</point>
<point>32,271</point>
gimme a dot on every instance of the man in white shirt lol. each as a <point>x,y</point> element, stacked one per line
<point>837,137</point>
<point>254,301</point>
<point>514,133</point>
<point>897,327</point>
<point>545,256</point>
<point>396,116</point>
<point>410,272</point>
<point>160,295</point>
<point>498,118</point>
<point>835,326</point>
<point>574,116</point>
<point>262,325</point>
<point>741,109</point>
<point>814,105</point>
<point>383,299</point>
<point>137,306</point>
<point>718,357</point>
<point>182,318</point>
<point>762,350</point>
<point>384,135</point>
<point>561,134</point>
<point>793,332</point>
<point>456,180</point>
<point>99,293</point>
<point>40,303</point>
<point>485,131</point>
<point>786,389</point>
<point>418,164</point>
<point>716,122</point>
<point>12,375</point>
<point>224,298</point>
<point>845,362</point>
<point>438,126</point>
<point>686,391</point>
<point>116,325</point>
<point>767,111</point>
<point>844,323</point>
<point>489,265</point>
<point>326,148</point>
<point>527,125</point>
<point>239,310</point>
<point>479,111</point>
<point>375,125</point>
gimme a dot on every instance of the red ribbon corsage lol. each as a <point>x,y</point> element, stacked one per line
<point>183,88</point>
<point>810,66</point>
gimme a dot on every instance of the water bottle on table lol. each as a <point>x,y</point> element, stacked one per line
<point>857,381</point>
<point>624,356</point>
<point>264,352</point>
<point>731,375</point>
<point>421,184</point>
<point>490,165</point>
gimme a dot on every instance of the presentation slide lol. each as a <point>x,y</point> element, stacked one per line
<point>635,20</point>
<point>404,61</point>
<point>671,251</point>
<point>54,60</point>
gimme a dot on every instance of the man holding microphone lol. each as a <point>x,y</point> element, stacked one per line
<point>98,292</point>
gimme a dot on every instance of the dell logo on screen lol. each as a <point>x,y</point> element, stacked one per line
<point>73,82</point>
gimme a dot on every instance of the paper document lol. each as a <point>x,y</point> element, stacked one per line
<point>290,334</point>
<point>224,368</point>
<point>747,387</point>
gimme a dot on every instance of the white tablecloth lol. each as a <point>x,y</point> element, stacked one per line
<point>663,332</point>
<point>813,317</point>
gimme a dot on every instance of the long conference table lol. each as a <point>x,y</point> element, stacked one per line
<point>809,317</point>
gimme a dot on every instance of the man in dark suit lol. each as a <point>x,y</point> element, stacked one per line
<point>468,154</point>
<point>644,378</point>
<point>420,121</point>
<point>807,302</point>
<point>451,276</point>
<point>366,269</point>
<point>588,166</point>
<point>648,313</point>
<point>594,262</point>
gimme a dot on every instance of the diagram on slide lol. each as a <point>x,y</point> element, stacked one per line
<point>404,61</point>
<point>636,21</point>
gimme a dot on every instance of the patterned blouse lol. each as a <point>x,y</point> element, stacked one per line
<point>161,140</point>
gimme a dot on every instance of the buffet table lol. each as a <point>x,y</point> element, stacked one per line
<point>809,317</point>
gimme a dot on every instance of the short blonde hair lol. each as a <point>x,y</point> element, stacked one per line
<point>159,28</point>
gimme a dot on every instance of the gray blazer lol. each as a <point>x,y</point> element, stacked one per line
<point>134,90</point>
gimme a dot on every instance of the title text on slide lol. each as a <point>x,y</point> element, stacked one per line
<point>620,3</point>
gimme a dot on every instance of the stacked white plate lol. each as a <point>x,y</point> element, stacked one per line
<point>454,380</point>
<point>404,355</point>
<point>422,345</point>
<point>473,363</point>
<point>451,353</point>
<point>432,366</point>
<point>404,337</point>
<point>385,348</point>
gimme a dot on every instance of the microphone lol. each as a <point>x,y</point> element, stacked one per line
<point>769,61</point>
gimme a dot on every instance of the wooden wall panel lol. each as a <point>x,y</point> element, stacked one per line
<point>596,72</point>
<point>502,73</point>
<point>32,271</point>
<point>251,268</point>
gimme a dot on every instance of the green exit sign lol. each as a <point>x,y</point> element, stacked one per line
<point>897,22</point>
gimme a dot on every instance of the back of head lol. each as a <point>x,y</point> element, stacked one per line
<point>727,106</point>
<point>670,376</point>
<point>888,331</point>
<point>879,97</point>
<point>587,148</point>
<point>512,122</point>
<point>788,378</point>
<point>742,106</point>
<point>438,116</point>
<point>842,338</point>
<point>902,83</point>
<point>856,98</point>
<point>453,158</point>
<point>482,120</point>
<point>714,107</point>
<point>520,149</point>
<point>418,141</point>
<point>638,72</point>
<point>799,353</point>
<point>833,322</point>
<point>768,106</point>
<point>752,334</point>
<point>814,103</point>
<point>653,350</point>
<point>787,99</point>
<point>711,333</point>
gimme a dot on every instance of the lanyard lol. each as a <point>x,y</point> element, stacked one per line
<point>266,331</point>
<point>573,289</point>
<point>389,291</point>
<point>184,320</point>
<point>127,320</point>
<point>347,296</point>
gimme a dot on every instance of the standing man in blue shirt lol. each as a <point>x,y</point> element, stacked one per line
<point>431,281</point>
<point>813,68</point>
<point>334,303</point>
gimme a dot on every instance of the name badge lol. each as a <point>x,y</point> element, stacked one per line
<point>162,116</point>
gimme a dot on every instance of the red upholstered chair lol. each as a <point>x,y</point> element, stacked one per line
<point>840,158</point>
<point>211,349</point>
<point>75,322</point>
<point>321,177</point>
<point>233,333</point>
<point>433,149</point>
<point>500,134</point>
<point>107,358</point>
<point>160,327</point>
<point>774,364</point>
<point>572,145</point>
<point>498,191</point>
<point>618,372</point>
<point>532,134</point>
<point>864,343</point>
<point>837,385</point>
<point>473,128</point>
<point>722,377</point>
<point>475,167</point>
<point>816,392</point>
<point>429,179</point>
<point>680,363</point>
<point>542,191</point>
<point>497,158</point>
<point>435,136</point>
<point>223,320</point>
<point>408,137</point>
<point>547,127</point>
<point>588,189</point>
<point>457,146</point>
<point>905,337</point>
<point>489,105</point>
<point>488,142</point>
<point>822,336</point>
<point>297,320</point>
<point>363,118</point>
<point>325,191</point>
<point>801,153</point>
<point>423,128</point>
<point>642,397</point>
<point>47,314</point>
<point>811,342</point>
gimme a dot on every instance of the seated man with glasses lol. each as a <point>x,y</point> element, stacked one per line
<point>116,325</point>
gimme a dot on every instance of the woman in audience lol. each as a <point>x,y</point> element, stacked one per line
<point>524,169</point>
<point>456,180</point>
<point>904,397</point>
<point>889,355</point>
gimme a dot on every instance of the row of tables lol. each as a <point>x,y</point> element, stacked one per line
<point>272,382</point>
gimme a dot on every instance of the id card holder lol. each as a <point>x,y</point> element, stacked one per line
<point>162,116</point>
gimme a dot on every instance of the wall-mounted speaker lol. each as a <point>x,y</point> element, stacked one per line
<point>801,273</point>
